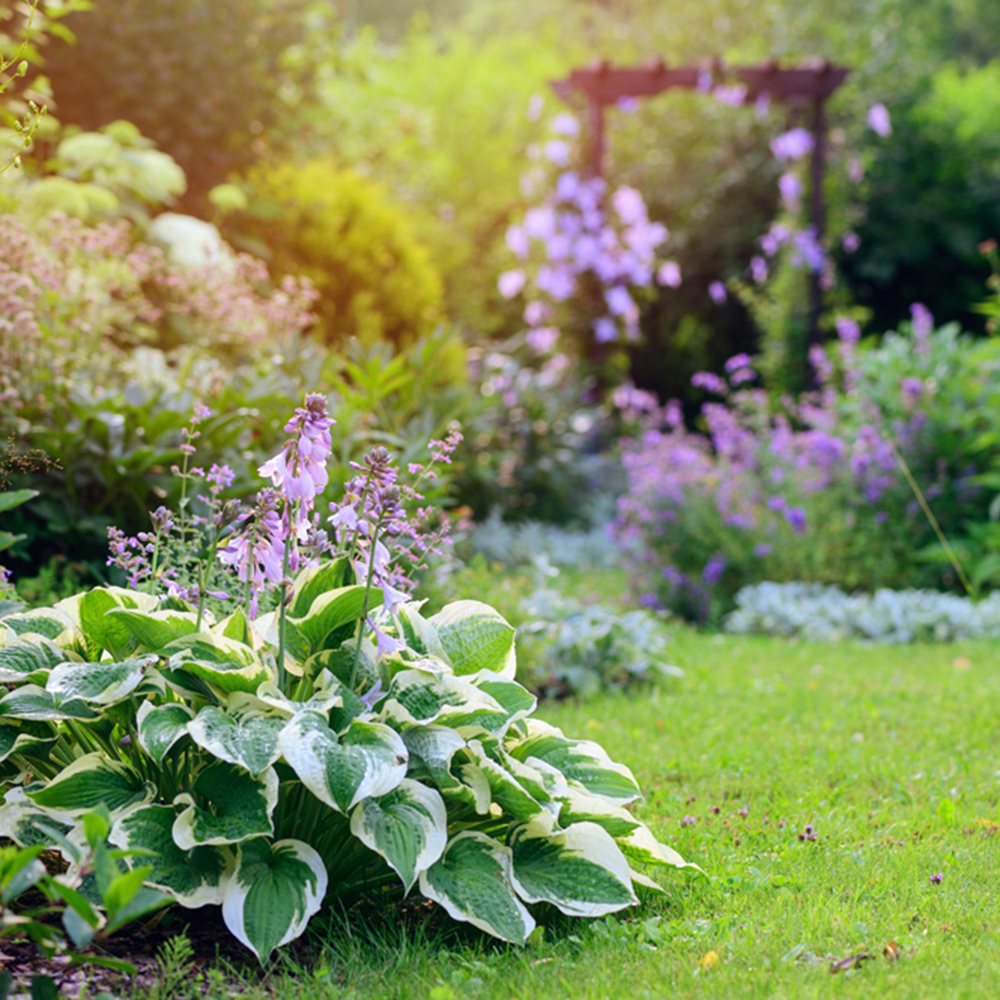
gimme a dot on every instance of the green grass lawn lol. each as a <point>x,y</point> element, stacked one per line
<point>890,755</point>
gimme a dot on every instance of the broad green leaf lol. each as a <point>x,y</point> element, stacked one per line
<point>238,807</point>
<point>273,892</point>
<point>247,739</point>
<point>160,727</point>
<point>154,629</point>
<point>10,499</point>
<point>579,760</point>
<point>19,873</point>
<point>98,683</point>
<point>369,759</point>
<point>91,781</point>
<point>193,878</point>
<point>235,626</point>
<point>18,738</point>
<point>46,622</point>
<point>408,827</point>
<point>224,663</point>
<point>581,806</point>
<point>32,702</point>
<point>472,882</point>
<point>328,694</point>
<point>580,869</point>
<point>331,610</point>
<point>315,581</point>
<point>639,845</point>
<point>266,629</point>
<point>140,904</point>
<point>346,660</point>
<point>417,632</point>
<point>102,631</point>
<point>417,697</point>
<point>21,659</point>
<point>505,789</point>
<point>476,637</point>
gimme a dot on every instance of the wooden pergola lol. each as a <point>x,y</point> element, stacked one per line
<point>807,88</point>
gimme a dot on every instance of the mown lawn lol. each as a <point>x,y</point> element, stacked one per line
<point>891,756</point>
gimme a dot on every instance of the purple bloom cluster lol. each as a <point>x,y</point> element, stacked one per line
<point>579,232</point>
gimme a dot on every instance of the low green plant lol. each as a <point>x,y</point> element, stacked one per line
<point>97,897</point>
<point>342,744</point>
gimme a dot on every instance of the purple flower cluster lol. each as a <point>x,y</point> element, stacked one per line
<point>583,234</point>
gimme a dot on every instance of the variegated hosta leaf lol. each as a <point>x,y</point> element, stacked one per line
<point>472,882</point>
<point>266,632</point>
<point>154,629</point>
<point>505,789</point>
<point>18,738</point>
<point>408,827</point>
<point>101,631</point>
<point>239,807</point>
<point>98,683</point>
<point>333,609</point>
<point>639,845</point>
<point>20,820</point>
<point>235,626</point>
<point>417,632</point>
<point>369,759</point>
<point>248,739</point>
<point>517,701</point>
<point>328,694</point>
<point>580,869</point>
<point>32,702</point>
<point>476,637</point>
<point>191,877</point>
<point>578,760</point>
<point>273,892</point>
<point>224,663</point>
<point>48,623</point>
<point>581,806</point>
<point>345,661</point>
<point>417,697</point>
<point>91,781</point>
<point>160,727</point>
<point>314,581</point>
<point>433,750</point>
<point>21,659</point>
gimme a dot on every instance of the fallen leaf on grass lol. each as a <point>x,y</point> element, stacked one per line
<point>709,960</point>
<point>891,951</point>
<point>850,962</point>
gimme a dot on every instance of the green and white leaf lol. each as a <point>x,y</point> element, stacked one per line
<point>417,632</point>
<point>580,869</point>
<point>154,629</point>
<point>239,807</point>
<point>505,789</point>
<point>101,631</point>
<point>368,760</point>
<point>328,693</point>
<point>235,626</point>
<point>315,581</point>
<point>91,781</point>
<point>191,877</point>
<point>26,657</point>
<point>248,739</point>
<point>297,648</point>
<point>472,882</point>
<point>332,610</point>
<point>408,827</point>
<point>31,702</point>
<point>517,701</point>
<point>476,637</point>
<point>641,846</point>
<point>224,663</point>
<point>48,623</point>
<point>433,751</point>
<point>272,894</point>
<point>101,683</point>
<point>418,697</point>
<point>18,738</point>
<point>581,806</point>
<point>160,727</point>
<point>21,819</point>
<point>579,760</point>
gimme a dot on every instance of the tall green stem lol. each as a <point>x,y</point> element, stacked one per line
<point>364,609</point>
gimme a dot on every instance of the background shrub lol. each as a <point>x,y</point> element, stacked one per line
<point>375,281</point>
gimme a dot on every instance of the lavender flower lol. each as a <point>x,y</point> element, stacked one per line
<point>879,121</point>
<point>792,145</point>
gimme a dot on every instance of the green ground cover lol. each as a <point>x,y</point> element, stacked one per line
<point>888,754</point>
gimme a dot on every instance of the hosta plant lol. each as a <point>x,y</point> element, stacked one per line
<point>339,745</point>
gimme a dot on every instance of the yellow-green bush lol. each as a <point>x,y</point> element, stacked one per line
<point>375,281</point>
